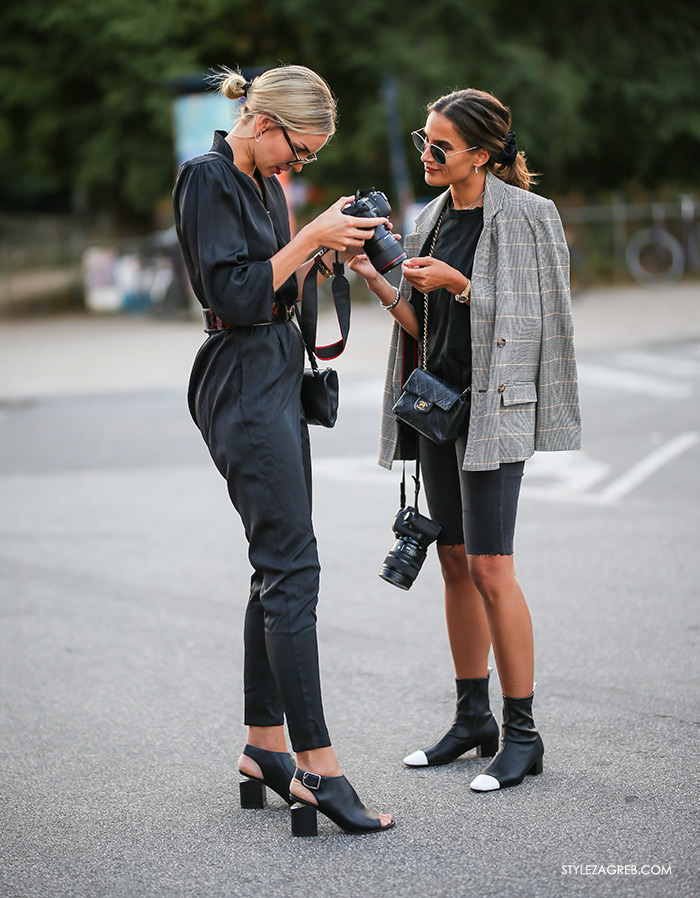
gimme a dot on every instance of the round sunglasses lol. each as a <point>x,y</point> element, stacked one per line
<point>420,141</point>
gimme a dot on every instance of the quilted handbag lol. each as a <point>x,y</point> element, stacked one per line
<point>432,407</point>
<point>429,404</point>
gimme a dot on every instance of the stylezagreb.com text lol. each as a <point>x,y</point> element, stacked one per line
<point>616,869</point>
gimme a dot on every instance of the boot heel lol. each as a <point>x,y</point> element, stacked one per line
<point>253,794</point>
<point>536,768</point>
<point>488,748</point>
<point>304,822</point>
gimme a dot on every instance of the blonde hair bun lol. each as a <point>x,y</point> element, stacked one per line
<point>230,83</point>
<point>293,95</point>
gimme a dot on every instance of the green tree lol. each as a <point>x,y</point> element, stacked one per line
<point>602,94</point>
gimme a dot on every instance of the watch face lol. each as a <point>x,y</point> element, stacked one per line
<point>465,295</point>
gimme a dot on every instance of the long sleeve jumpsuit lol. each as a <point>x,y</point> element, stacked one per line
<point>245,397</point>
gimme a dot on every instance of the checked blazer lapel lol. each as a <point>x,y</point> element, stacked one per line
<point>425,223</point>
<point>494,191</point>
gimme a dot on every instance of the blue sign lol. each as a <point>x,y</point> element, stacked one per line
<point>196,117</point>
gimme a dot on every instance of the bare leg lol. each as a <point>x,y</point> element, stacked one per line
<point>324,762</point>
<point>269,738</point>
<point>320,760</point>
<point>509,621</point>
<point>467,624</point>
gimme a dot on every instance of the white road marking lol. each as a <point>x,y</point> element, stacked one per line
<point>363,394</point>
<point>357,469</point>
<point>573,472</point>
<point>569,476</point>
<point>644,468</point>
<point>632,382</point>
<point>661,364</point>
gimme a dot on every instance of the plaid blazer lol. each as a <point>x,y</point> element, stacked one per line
<point>524,392</point>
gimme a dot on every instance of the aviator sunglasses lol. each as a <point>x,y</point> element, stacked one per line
<point>420,142</point>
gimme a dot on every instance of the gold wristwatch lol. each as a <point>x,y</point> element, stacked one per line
<point>466,294</point>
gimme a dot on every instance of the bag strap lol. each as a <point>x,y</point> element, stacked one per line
<point>308,318</point>
<point>425,295</point>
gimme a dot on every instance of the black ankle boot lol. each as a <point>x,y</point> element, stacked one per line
<point>521,748</point>
<point>474,726</point>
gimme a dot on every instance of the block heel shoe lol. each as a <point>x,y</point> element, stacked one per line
<point>521,749</point>
<point>474,726</point>
<point>277,769</point>
<point>338,801</point>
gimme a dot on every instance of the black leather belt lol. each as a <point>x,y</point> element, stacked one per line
<point>212,322</point>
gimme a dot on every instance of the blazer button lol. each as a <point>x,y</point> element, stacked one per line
<point>500,342</point>
<point>502,388</point>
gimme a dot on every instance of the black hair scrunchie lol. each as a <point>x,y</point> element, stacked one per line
<point>509,152</point>
<point>246,87</point>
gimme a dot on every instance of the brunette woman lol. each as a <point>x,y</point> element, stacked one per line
<point>244,395</point>
<point>499,324</point>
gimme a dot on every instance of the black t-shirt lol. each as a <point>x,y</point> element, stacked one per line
<point>449,324</point>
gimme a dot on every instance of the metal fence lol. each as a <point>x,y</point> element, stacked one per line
<point>651,243</point>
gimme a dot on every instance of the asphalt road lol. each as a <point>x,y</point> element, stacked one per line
<point>124,577</point>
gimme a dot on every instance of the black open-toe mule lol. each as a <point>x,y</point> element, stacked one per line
<point>277,771</point>
<point>338,801</point>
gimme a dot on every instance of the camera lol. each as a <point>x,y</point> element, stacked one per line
<point>414,534</point>
<point>382,248</point>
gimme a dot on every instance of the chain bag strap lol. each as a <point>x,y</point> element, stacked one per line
<point>429,404</point>
<point>424,360</point>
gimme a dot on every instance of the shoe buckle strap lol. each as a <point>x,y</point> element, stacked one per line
<point>311,780</point>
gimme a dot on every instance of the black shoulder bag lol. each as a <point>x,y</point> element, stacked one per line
<point>429,404</point>
<point>319,388</point>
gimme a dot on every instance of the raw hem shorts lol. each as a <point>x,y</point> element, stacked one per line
<point>477,508</point>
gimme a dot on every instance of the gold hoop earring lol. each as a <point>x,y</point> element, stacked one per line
<point>258,136</point>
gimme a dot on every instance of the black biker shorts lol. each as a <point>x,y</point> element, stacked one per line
<point>477,508</point>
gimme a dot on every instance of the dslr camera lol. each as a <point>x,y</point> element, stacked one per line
<point>414,533</point>
<point>383,249</point>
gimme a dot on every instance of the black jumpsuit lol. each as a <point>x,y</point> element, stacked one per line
<point>245,397</point>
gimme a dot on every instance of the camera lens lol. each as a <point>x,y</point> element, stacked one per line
<point>383,250</point>
<point>403,563</point>
<point>414,533</point>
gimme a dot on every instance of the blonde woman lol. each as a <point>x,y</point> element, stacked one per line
<point>244,396</point>
<point>492,260</point>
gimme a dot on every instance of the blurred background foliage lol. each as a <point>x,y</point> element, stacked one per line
<point>604,95</point>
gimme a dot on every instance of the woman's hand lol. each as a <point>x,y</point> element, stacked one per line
<point>360,264</point>
<point>340,232</point>
<point>426,273</point>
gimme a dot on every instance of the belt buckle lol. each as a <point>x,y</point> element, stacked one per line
<point>314,784</point>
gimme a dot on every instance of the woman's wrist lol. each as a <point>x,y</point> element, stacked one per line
<point>390,306</point>
<point>322,266</point>
<point>459,284</point>
<point>379,285</point>
<point>307,238</point>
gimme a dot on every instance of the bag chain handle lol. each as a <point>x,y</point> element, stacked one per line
<point>425,296</point>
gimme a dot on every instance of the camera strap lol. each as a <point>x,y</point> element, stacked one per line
<point>416,480</point>
<point>308,317</point>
